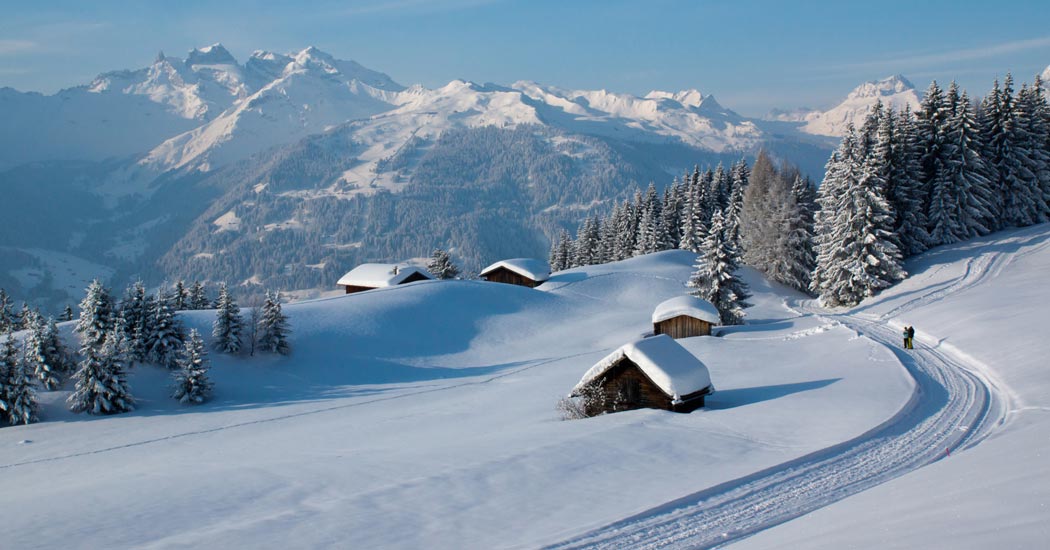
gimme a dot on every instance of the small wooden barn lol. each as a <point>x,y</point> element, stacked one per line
<point>370,276</point>
<point>654,373</point>
<point>685,316</point>
<point>528,272</point>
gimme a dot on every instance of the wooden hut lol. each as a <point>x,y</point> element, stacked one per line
<point>685,316</point>
<point>528,272</point>
<point>370,276</point>
<point>654,373</point>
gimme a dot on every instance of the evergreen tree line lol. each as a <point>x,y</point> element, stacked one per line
<point>116,334</point>
<point>712,213</point>
<point>905,182</point>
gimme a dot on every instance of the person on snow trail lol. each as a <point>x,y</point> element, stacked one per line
<point>905,335</point>
<point>911,337</point>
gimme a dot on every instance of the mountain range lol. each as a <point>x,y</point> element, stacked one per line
<point>288,169</point>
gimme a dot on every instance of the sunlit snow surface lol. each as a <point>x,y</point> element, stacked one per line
<point>424,416</point>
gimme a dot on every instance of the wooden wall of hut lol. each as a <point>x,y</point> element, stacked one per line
<point>504,275</point>
<point>625,387</point>
<point>682,326</point>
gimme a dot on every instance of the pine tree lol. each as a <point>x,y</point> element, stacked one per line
<point>179,296</point>
<point>101,385</point>
<point>441,266</point>
<point>855,254</point>
<point>587,249</point>
<point>904,190</point>
<point>135,309</point>
<point>671,216</point>
<point>650,237</point>
<point>17,399</point>
<point>1017,184</point>
<point>199,296</point>
<point>226,330</point>
<point>793,258</point>
<point>191,384</point>
<point>96,315</point>
<point>165,334</point>
<point>563,258</point>
<point>959,194</point>
<point>607,238</point>
<point>44,355</point>
<point>1031,135</point>
<point>6,318</point>
<point>67,313</point>
<point>715,278</point>
<point>273,326</point>
<point>23,320</point>
<point>626,232</point>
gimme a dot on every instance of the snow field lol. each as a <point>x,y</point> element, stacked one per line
<point>424,416</point>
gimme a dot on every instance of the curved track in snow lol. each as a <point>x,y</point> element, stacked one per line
<point>954,406</point>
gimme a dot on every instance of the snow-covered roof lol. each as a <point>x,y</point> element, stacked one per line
<point>670,366</point>
<point>692,306</point>
<point>537,270</point>
<point>379,275</point>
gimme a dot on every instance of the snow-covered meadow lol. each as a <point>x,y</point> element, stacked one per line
<point>424,415</point>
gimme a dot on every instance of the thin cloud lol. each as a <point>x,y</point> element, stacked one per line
<point>941,58</point>
<point>13,47</point>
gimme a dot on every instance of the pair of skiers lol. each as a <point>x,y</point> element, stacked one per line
<point>909,337</point>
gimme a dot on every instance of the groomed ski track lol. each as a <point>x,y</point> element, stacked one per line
<point>955,405</point>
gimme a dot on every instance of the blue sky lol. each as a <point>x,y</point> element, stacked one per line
<point>753,55</point>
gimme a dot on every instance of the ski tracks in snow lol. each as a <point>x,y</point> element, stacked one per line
<point>955,405</point>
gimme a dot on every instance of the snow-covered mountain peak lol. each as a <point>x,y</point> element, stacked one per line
<point>215,54</point>
<point>886,87</point>
<point>688,98</point>
<point>895,92</point>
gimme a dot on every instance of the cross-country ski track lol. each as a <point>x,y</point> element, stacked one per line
<point>955,405</point>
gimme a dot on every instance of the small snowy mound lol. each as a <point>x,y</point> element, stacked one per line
<point>670,366</point>
<point>691,306</point>
<point>537,270</point>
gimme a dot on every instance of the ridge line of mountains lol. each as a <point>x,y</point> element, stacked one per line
<point>288,169</point>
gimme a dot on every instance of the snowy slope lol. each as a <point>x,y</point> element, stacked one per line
<point>423,416</point>
<point>987,310</point>
<point>894,91</point>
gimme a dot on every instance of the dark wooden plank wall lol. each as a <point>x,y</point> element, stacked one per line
<point>504,275</point>
<point>682,326</point>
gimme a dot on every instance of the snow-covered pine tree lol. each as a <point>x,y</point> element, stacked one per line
<point>735,203</point>
<point>693,218</point>
<point>135,310</point>
<point>626,232</point>
<point>588,240</point>
<point>191,385</point>
<point>855,255</point>
<point>1031,135</point>
<point>165,336</point>
<point>23,320</point>
<point>43,355</point>
<point>561,259</point>
<point>273,326</point>
<point>905,192</point>
<point>671,215</point>
<point>179,296</point>
<point>17,399</point>
<point>1016,181</point>
<point>199,296</point>
<point>6,318</point>
<point>96,315</point>
<point>67,313</point>
<point>101,385</point>
<point>441,266</point>
<point>650,236</point>
<point>958,195</point>
<point>715,278</point>
<point>226,329</point>
<point>721,186</point>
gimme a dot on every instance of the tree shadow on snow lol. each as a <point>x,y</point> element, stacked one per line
<point>739,397</point>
